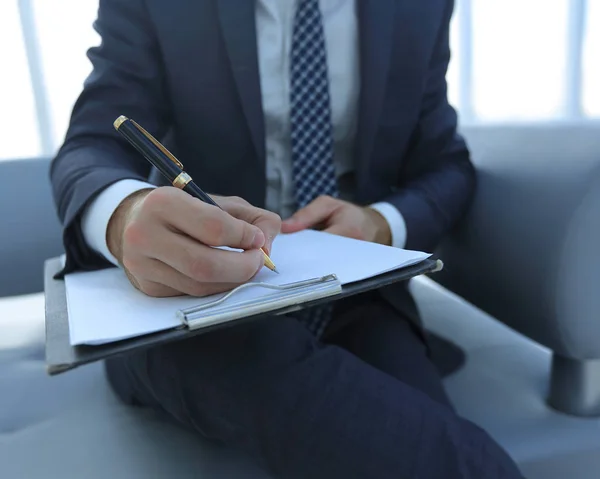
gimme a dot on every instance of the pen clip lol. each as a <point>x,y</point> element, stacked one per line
<point>158,145</point>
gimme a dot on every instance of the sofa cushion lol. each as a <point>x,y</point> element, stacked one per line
<point>503,388</point>
<point>72,425</point>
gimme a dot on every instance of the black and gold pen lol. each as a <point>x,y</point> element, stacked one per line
<point>167,164</point>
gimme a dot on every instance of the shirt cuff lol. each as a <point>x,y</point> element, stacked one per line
<point>95,218</point>
<point>395,221</point>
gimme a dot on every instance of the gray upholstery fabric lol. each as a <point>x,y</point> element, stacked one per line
<point>29,226</point>
<point>528,252</point>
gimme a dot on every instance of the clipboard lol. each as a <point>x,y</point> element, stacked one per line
<point>61,356</point>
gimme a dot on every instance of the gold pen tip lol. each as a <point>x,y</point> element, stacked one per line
<point>269,263</point>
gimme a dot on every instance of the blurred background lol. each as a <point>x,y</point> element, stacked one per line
<point>512,61</point>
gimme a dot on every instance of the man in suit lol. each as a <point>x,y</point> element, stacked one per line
<point>330,114</point>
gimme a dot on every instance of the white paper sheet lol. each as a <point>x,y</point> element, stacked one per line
<point>103,306</point>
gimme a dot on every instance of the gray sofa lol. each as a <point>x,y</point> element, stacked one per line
<point>517,295</point>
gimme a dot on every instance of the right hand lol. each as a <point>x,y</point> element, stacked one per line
<point>163,238</point>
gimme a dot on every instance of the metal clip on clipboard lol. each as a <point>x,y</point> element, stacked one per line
<point>289,296</point>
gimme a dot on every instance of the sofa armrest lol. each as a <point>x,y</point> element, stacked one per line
<point>527,253</point>
<point>30,231</point>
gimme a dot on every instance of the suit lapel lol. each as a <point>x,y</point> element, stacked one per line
<point>239,32</point>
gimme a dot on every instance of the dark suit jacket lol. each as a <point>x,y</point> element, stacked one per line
<point>187,69</point>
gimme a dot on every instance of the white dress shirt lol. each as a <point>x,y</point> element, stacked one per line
<point>274,22</point>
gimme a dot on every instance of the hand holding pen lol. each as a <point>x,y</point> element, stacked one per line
<point>164,238</point>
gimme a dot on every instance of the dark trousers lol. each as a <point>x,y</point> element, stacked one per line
<point>366,402</point>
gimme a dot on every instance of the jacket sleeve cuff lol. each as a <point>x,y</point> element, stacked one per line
<point>95,218</point>
<point>395,221</point>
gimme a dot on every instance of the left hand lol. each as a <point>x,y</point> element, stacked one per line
<point>340,218</point>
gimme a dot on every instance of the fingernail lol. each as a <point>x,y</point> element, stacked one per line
<point>259,239</point>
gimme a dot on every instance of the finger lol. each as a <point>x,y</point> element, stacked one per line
<point>208,224</point>
<point>313,214</point>
<point>160,279</point>
<point>205,264</point>
<point>268,222</point>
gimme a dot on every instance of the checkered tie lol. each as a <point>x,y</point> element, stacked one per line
<point>310,122</point>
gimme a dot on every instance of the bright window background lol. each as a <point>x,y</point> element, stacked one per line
<point>512,61</point>
<point>63,47</point>
<point>591,75</point>
<point>17,105</point>
<point>518,71</point>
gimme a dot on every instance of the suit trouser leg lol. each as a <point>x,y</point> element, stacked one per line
<point>389,342</point>
<point>306,409</point>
